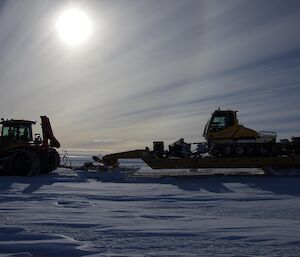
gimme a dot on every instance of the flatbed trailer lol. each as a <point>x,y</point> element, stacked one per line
<point>265,163</point>
<point>228,145</point>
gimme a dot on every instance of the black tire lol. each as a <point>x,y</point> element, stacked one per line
<point>227,150</point>
<point>264,150</point>
<point>23,162</point>
<point>239,150</point>
<point>215,152</point>
<point>50,162</point>
<point>251,151</point>
<point>276,149</point>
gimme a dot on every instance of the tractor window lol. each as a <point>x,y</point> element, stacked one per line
<point>25,133</point>
<point>8,131</point>
<point>17,132</point>
<point>221,121</point>
<point>5,131</point>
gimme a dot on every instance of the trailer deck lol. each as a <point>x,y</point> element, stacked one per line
<point>279,162</point>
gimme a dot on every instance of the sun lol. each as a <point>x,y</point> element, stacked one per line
<point>74,26</point>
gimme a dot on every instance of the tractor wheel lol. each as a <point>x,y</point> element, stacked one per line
<point>50,162</point>
<point>23,162</point>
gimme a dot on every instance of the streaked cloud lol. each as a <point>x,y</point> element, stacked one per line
<point>153,69</point>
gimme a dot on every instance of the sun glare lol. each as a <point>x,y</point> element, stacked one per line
<point>74,26</point>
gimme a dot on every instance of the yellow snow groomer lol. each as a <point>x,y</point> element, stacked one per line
<point>225,136</point>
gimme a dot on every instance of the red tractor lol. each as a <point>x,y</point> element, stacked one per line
<point>21,154</point>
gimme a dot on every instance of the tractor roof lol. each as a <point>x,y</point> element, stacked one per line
<point>225,110</point>
<point>17,122</point>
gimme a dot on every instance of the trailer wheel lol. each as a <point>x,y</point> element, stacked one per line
<point>23,162</point>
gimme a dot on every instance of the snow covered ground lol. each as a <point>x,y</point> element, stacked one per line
<point>70,213</point>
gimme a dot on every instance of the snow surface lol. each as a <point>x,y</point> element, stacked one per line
<point>70,213</point>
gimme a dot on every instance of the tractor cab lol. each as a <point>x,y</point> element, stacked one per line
<point>25,153</point>
<point>16,131</point>
<point>224,124</point>
<point>219,121</point>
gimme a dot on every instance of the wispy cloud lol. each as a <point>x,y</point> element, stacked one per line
<point>153,69</point>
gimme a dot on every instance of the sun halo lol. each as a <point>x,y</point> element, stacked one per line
<point>74,26</point>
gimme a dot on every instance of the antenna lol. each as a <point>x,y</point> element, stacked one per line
<point>11,112</point>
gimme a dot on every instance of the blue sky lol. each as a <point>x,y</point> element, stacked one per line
<point>152,70</point>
